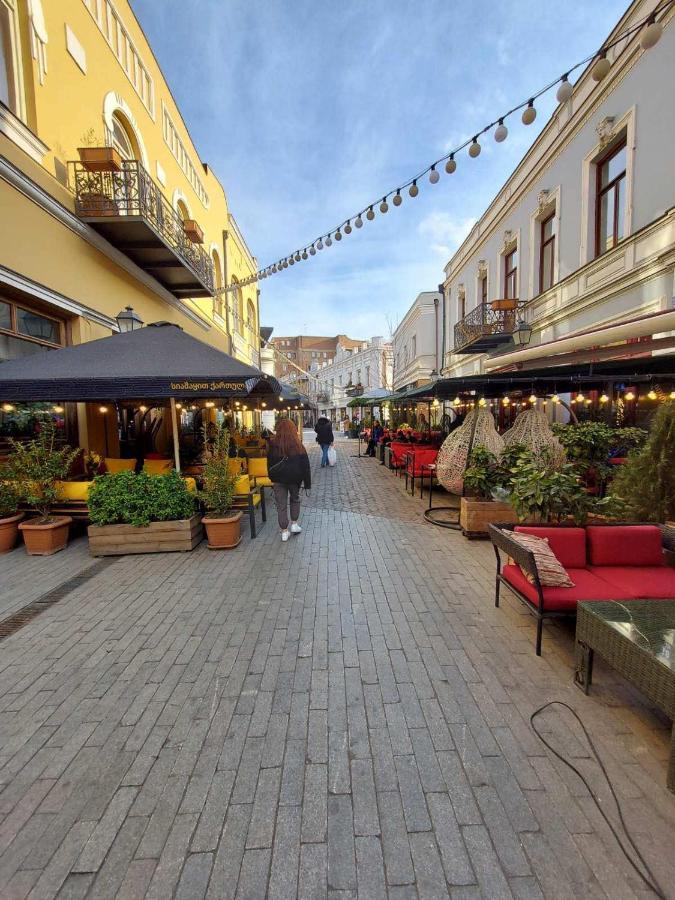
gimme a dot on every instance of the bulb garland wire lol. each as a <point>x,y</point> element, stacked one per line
<point>449,163</point>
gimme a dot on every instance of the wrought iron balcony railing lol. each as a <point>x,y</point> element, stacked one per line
<point>354,390</point>
<point>488,326</point>
<point>129,209</point>
<point>323,397</point>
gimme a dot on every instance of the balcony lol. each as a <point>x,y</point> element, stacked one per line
<point>323,397</point>
<point>354,390</point>
<point>488,326</point>
<point>130,211</point>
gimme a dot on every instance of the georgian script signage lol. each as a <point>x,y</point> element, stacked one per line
<point>206,386</point>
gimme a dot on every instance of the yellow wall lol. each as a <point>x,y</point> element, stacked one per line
<point>61,111</point>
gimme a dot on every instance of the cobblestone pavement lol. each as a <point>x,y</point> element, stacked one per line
<point>343,715</point>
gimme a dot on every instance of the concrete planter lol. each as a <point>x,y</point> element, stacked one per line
<point>476,515</point>
<point>180,536</point>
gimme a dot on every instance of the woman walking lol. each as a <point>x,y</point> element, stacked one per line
<point>324,437</point>
<point>288,467</point>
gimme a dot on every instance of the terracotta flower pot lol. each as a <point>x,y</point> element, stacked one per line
<point>46,538</point>
<point>100,159</point>
<point>224,532</point>
<point>9,530</point>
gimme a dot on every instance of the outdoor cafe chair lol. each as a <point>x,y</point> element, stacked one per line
<point>248,497</point>
<point>257,470</point>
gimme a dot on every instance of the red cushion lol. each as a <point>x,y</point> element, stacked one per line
<point>641,582</point>
<point>568,544</point>
<point>624,545</point>
<point>587,586</point>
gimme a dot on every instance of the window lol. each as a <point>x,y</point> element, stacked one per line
<point>483,284</point>
<point>24,331</point>
<point>511,274</point>
<point>461,306</point>
<point>8,61</point>
<point>413,348</point>
<point>610,198</point>
<point>367,376</point>
<point>121,139</point>
<point>546,252</point>
<point>177,148</point>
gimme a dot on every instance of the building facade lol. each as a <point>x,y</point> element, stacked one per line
<point>307,352</point>
<point>579,244</point>
<point>104,200</point>
<point>417,343</point>
<point>354,372</point>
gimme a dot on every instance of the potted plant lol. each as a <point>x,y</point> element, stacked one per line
<point>97,158</point>
<point>9,513</point>
<point>36,466</point>
<point>486,481</point>
<point>222,523</point>
<point>139,513</point>
<point>504,304</point>
<point>543,490</point>
<point>192,231</point>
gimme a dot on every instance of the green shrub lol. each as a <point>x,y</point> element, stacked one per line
<point>542,490</point>
<point>9,497</point>
<point>219,482</point>
<point>589,446</point>
<point>488,477</point>
<point>646,483</point>
<point>127,498</point>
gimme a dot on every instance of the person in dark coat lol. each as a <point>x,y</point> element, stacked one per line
<point>324,437</point>
<point>288,469</point>
<point>375,435</point>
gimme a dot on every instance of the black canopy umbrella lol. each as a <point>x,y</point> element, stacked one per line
<point>156,362</point>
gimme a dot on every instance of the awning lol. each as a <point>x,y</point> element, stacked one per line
<point>153,363</point>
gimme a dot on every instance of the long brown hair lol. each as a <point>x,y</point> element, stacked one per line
<point>286,439</point>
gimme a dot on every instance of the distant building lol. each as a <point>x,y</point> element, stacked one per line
<point>307,352</point>
<point>417,344</point>
<point>353,372</point>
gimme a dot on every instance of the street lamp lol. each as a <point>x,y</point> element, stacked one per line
<point>128,320</point>
<point>522,334</point>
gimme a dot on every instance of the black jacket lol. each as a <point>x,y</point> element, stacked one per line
<point>290,469</point>
<point>324,431</point>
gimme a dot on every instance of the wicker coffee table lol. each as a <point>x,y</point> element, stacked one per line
<point>637,638</point>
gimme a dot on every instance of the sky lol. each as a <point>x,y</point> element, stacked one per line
<point>307,112</point>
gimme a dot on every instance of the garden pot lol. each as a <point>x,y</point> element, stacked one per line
<point>193,231</point>
<point>100,159</point>
<point>179,535</point>
<point>45,538</point>
<point>476,515</point>
<point>224,532</point>
<point>505,304</point>
<point>9,530</point>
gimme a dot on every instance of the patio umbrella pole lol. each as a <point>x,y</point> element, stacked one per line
<point>174,427</point>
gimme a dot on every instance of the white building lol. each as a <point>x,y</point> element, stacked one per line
<point>417,343</point>
<point>580,241</point>
<point>352,373</point>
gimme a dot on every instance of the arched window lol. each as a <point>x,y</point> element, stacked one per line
<point>182,210</point>
<point>250,319</point>
<point>218,281</point>
<point>240,310</point>
<point>122,138</point>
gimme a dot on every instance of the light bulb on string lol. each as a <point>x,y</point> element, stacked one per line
<point>312,250</point>
<point>305,254</point>
<point>348,227</point>
<point>533,398</point>
<point>555,399</point>
<point>601,67</point>
<point>7,407</point>
<point>398,199</point>
<point>456,401</point>
<point>370,215</point>
<point>604,398</point>
<point>338,235</point>
<point>297,256</point>
<point>671,396</point>
<point>580,398</point>
<point>564,91</point>
<point>474,148</point>
<point>329,241</point>
<point>501,131</point>
<point>358,221</point>
<point>291,261</point>
<point>506,401</point>
<point>652,395</point>
<point>433,175</point>
<point>651,35</point>
<point>413,190</point>
<point>629,395</point>
<point>384,206</point>
<point>451,164</point>
<point>319,244</point>
<point>529,113</point>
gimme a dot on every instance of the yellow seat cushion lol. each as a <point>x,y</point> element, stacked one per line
<point>243,499</point>
<point>235,466</point>
<point>113,465</point>
<point>73,490</point>
<point>190,483</point>
<point>257,466</point>
<point>243,485</point>
<point>263,481</point>
<point>157,466</point>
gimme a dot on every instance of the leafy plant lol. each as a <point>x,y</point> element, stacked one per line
<point>544,491</point>
<point>488,477</point>
<point>36,465</point>
<point>646,483</point>
<point>9,496</point>
<point>131,498</point>
<point>589,445</point>
<point>219,483</point>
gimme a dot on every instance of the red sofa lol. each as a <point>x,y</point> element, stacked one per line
<point>605,562</point>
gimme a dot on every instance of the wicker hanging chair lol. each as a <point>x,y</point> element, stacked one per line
<point>532,429</point>
<point>452,457</point>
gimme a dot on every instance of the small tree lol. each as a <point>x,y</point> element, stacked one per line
<point>35,466</point>
<point>219,482</point>
<point>9,496</point>
<point>646,483</point>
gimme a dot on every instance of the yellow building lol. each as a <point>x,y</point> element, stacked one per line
<point>104,200</point>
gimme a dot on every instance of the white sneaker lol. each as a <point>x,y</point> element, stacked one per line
<point>285,535</point>
<point>295,528</point>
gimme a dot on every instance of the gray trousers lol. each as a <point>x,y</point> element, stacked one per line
<point>281,496</point>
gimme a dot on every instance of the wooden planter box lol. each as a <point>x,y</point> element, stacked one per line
<point>100,159</point>
<point>158,537</point>
<point>193,231</point>
<point>505,303</point>
<point>476,515</point>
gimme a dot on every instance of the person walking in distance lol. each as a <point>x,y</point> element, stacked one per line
<point>288,467</point>
<point>324,437</point>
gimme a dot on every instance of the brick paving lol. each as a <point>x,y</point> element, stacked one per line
<point>345,715</point>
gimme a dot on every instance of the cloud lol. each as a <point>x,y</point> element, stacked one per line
<point>445,232</point>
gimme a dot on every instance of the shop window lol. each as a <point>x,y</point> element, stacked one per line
<point>24,331</point>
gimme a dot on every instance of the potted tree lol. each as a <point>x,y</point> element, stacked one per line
<point>222,523</point>
<point>9,513</point>
<point>139,513</point>
<point>35,467</point>
<point>97,158</point>
<point>486,481</point>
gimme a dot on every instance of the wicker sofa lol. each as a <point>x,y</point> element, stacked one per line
<point>605,562</point>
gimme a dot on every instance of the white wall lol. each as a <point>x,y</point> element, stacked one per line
<point>417,341</point>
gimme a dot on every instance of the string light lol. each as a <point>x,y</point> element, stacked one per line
<point>209,404</point>
<point>398,199</point>
<point>456,401</point>
<point>506,401</point>
<point>652,395</point>
<point>555,399</point>
<point>672,395</point>
<point>58,409</point>
<point>384,206</point>
<point>142,409</point>
<point>650,34</point>
<point>481,401</point>
<point>179,405</point>
<point>629,396</point>
<point>103,409</point>
<point>604,398</point>
<point>580,398</point>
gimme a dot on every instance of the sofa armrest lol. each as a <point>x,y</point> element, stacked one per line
<point>668,537</point>
<point>502,540</point>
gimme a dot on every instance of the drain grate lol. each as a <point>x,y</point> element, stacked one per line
<point>27,613</point>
